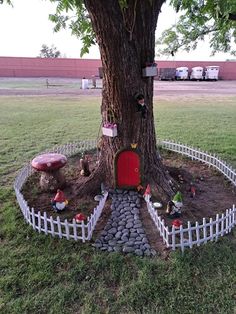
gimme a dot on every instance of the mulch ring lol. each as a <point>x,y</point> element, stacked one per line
<point>214,194</point>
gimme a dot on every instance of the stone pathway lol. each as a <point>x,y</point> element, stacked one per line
<point>124,230</point>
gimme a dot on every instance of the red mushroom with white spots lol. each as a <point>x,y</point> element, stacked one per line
<point>49,165</point>
<point>80,217</point>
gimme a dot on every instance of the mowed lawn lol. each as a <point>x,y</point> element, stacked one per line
<point>39,274</point>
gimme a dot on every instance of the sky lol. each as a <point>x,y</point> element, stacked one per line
<point>25,27</point>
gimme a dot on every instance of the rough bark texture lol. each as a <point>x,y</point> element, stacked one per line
<point>127,43</point>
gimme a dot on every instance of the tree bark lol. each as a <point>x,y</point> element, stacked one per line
<point>126,39</point>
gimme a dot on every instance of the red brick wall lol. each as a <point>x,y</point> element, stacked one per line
<point>43,67</point>
<point>78,68</point>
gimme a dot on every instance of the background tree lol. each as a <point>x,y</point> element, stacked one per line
<point>201,18</point>
<point>49,52</point>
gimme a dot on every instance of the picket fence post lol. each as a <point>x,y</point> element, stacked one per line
<point>33,218</point>
<point>45,223</point>
<point>227,221</point>
<point>67,229</point>
<point>234,216</point>
<point>75,230</point>
<point>230,219</point>
<point>59,227</point>
<point>190,235</point>
<point>173,238</point>
<point>39,221</point>
<point>222,224</point>
<point>204,230</point>
<point>52,226</point>
<point>217,227</point>
<point>211,229</point>
<point>83,231</point>
<point>197,233</point>
<point>181,238</point>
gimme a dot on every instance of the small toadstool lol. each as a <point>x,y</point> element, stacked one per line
<point>177,223</point>
<point>50,165</point>
<point>80,217</point>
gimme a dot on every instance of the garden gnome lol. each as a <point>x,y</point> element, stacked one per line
<point>171,210</point>
<point>174,207</point>
<point>141,107</point>
<point>84,166</point>
<point>148,190</point>
<point>59,202</point>
<point>178,199</point>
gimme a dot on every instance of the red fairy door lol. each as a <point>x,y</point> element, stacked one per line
<point>127,167</point>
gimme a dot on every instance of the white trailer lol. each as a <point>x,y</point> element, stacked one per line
<point>181,73</point>
<point>197,73</point>
<point>212,72</point>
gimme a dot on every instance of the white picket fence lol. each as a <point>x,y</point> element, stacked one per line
<point>43,223</point>
<point>196,154</point>
<point>173,238</point>
<point>197,233</point>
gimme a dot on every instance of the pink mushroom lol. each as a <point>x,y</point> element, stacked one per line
<point>50,165</point>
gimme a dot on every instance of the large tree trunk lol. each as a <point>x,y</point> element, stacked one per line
<point>127,43</point>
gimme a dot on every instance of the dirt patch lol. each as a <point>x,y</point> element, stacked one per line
<point>41,201</point>
<point>214,194</point>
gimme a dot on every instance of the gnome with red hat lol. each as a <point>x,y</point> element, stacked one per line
<point>59,202</point>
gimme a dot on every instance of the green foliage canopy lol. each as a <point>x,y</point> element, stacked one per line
<point>72,14</point>
<point>198,19</point>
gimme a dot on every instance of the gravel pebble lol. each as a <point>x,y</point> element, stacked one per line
<point>124,230</point>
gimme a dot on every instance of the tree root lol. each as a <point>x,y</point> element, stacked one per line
<point>92,184</point>
<point>163,186</point>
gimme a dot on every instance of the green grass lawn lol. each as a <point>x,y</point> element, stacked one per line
<point>209,124</point>
<point>39,83</point>
<point>39,274</point>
